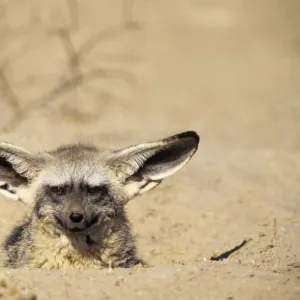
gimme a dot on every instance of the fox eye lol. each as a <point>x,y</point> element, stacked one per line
<point>97,190</point>
<point>58,190</point>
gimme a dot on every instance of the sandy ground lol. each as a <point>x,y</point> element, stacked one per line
<point>229,70</point>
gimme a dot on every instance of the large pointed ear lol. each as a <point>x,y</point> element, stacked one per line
<point>143,167</point>
<point>18,167</point>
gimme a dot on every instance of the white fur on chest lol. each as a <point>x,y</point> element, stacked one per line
<point>56,251</point>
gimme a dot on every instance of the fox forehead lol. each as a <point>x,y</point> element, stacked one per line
<point>76,164</point>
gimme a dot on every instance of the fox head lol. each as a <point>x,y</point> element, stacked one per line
<point>79,186</point>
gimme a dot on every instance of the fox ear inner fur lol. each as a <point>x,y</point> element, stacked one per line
<point>145,165</point>
<point>18,167</point>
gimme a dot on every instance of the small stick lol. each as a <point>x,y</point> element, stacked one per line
<point>226,254</point>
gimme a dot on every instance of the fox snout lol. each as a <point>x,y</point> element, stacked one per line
<point>77,221</point>
<point>76,217</point>
<point>75,211</point>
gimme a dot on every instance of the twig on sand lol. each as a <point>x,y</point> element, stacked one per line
<point>226,254</point>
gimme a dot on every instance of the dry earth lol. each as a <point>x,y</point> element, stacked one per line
<point>123,72</point>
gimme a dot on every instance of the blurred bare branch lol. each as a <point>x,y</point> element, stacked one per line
<point>11,98</point>
<point>73,59</point>
<point>35,20</point>
<point>128,19</point>
<point>64,87</point>
<point>73,76</point>
<point>100,36</point>
<point>74,13</point>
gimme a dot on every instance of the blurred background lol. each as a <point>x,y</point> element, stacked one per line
<point>129,69</point>
<point>121,72</point>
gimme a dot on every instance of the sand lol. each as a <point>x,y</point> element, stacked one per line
<point>123,72</point>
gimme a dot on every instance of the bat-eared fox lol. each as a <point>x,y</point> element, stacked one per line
<point>77,195</point>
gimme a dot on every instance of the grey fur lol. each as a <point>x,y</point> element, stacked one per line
<point>77,195</point>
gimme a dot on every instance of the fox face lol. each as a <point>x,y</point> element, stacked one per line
<point>82,190</point>
<point>78,189</point>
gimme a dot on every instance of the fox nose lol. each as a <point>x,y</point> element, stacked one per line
<point>76,217</point>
